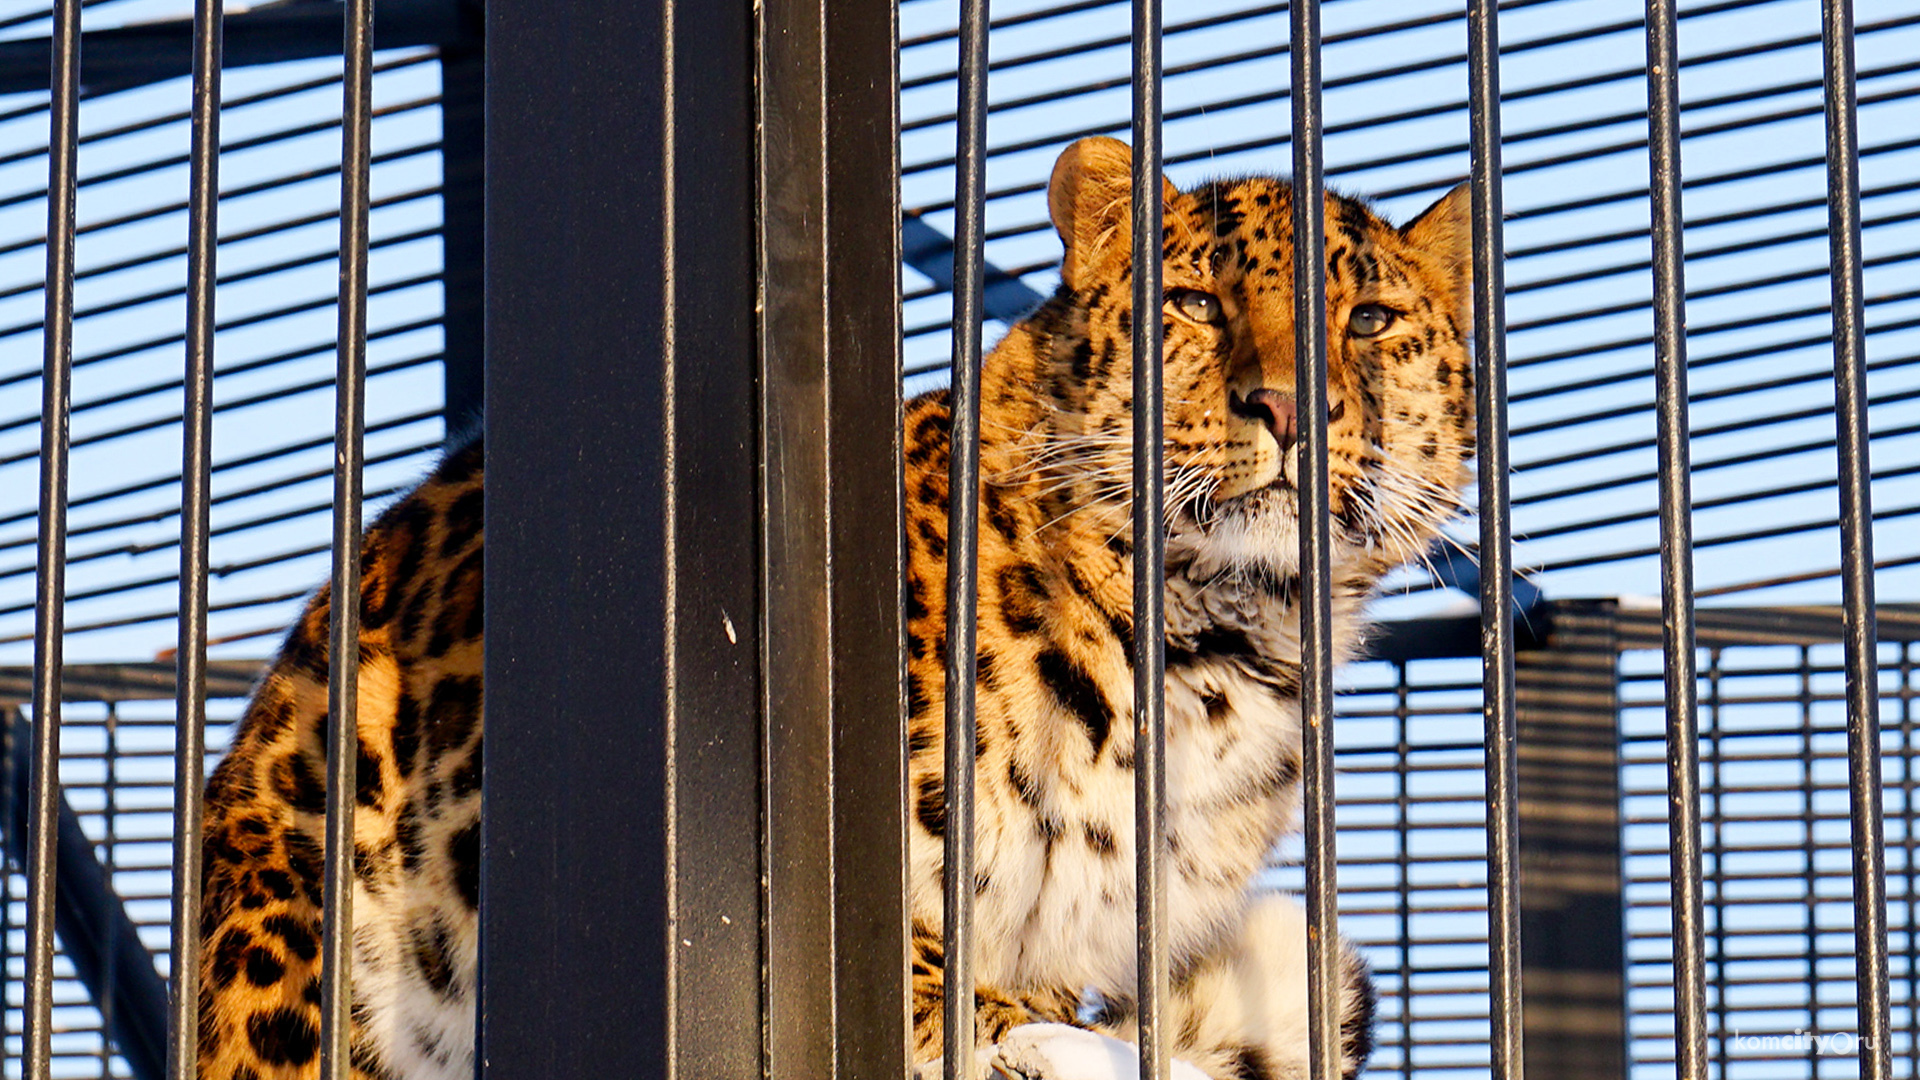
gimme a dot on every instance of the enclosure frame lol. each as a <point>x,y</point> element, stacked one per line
<point>675,235</point>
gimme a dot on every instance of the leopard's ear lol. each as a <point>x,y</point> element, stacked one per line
<point>1090,201</point>
<point>1445,230</point>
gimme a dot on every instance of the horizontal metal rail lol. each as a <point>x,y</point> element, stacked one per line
<point>149,52</point>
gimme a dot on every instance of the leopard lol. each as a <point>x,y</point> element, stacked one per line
<point>1054,891</point>
<point>1054,958</point>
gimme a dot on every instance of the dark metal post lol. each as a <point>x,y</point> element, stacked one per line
<point>1572,900</point>
<point>1496,541</point>
<point>196,482</point>
<point>56,379</point>
<point>1856,541</point>
<point>1149,549</point>
<point>463,148</point>
<point>1676,543</point>
<point>1316,543</point>
<point>963,538</point>
<point>831,652</point>
<point>620,870</point>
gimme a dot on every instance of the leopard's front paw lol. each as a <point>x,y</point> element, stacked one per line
<point>1060,1052</point>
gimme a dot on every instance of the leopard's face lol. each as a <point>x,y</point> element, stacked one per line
<point>1399,372</point>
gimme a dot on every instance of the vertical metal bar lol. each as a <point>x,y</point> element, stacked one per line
<point>1908,785</point>
<point>833,745</point>
<point>873,1007</point>
<point>1149,549</point>
<point>108,902</point>
<point>11,728</point>
<point>1856,541</point>
<point>1717,762</point>
<point>56,380</point>
<point>343,722</point>
<point>1496,542</point>
<point>1809,869</point>
<point>1316,542</point>
<point>196,478</point>
<point>1403,860</point>
<point>1676,542</point>
<point>963,538</point>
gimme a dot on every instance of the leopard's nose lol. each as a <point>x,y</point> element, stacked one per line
<point>1273,409</point>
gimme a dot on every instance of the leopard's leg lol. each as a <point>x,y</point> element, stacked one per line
<point>260,970</point>
<point>1241,1012</point>
<point>996,1010</point>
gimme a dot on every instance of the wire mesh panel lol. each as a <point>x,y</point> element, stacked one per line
<point>275,347</point>
<point>1743,93</point>
<point>1777,850</point>
<point>116,771</point>
<point>1578,279</point>
<point>274,380</point>
<point>1413,870</point>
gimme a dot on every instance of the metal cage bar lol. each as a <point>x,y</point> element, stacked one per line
<point>1149,550</point>
<point>1498,691</point>
<point>196,483</point>
<point>963,540</point>
<point>343,630</point>
<point>1676,540</point>
<point>1856,540</point>
<point>1316,541</point>
<point>63,154</point>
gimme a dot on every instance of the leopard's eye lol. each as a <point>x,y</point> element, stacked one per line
<point>1196,305</point>
<point>1367,320</point>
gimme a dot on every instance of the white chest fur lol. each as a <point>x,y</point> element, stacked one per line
<point>1058,899</point>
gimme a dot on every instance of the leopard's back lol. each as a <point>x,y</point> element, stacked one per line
<point>416,821</point>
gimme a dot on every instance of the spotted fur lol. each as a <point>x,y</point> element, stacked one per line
<point>1054,815</point>
<point>416,822</point>
<point>1054,873</point>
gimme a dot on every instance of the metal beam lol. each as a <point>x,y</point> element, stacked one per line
<point>463,148</point>
<point>834,738</point>
<point>620,877</point>
<point>1572,900</point>
<point>127,56</point>
<point>930,251</point>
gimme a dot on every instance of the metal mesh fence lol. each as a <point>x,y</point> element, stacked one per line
<point>1412,789</point>
<point>1413,871</point>
<point>1578,279</point>
<point>117,770</point>
<point>272,394</point>
<point>1778,852</point>
<point>1412,856</point>
<point>272,416</point>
